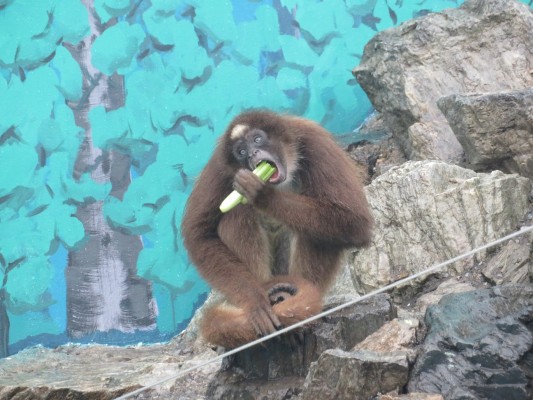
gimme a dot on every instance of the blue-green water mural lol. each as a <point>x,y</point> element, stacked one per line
<point>108,111</point>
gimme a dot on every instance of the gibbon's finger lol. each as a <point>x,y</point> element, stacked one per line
<point>265,322</point>
<point>247,184</point>
<point>258,328</point>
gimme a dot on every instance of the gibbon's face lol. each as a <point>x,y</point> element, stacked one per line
<point>252,145</point>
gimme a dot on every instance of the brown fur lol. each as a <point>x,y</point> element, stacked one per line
<point>229,326</point>
<point>300,227</point>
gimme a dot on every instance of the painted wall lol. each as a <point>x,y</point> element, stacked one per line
<point>108,111</point>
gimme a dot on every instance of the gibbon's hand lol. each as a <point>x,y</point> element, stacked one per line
<point>262,317</point>
<point>248,184</point>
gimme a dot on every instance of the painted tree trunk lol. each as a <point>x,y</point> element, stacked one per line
<point>103,290</point>
<point>4,325</point>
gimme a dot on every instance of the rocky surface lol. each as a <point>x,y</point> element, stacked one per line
<point>410,396</point>
<point>495,129</point>
<point>511,264</point>
<point>355,375</point>
<point>478,47</point>
<point>428,211</point>
<point>396,335</point>
<point>479,346</point>
<point>104,372</point>
<point>449,286</point>
<point>376,155</point>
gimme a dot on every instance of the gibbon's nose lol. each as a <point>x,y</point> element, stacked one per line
<point>252,155</point>
<point>253,158</point>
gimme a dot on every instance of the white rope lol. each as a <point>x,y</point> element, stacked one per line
<point>496,242</point>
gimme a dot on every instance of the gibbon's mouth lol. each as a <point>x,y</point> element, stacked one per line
<point>277,176</point>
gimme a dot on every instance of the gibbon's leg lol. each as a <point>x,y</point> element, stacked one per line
<point>227,326</point>
<point>250,245</point>
<point>317,264</point>
<point>293,299</point>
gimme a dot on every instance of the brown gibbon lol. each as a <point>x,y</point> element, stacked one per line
<point>274,257</point>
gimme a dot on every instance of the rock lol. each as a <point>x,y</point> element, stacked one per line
<point>355,375</point>
<point>447,287</point>
<point>479,345</point>
<point>411,396</point>
<point>372,130</point>
<point>342,289</point>
<point>378,157</point>
<point>43,392</point>
<point>495,129</point>
<point>427,212</point>
<point>347,327</point>
<point>406,69</point>
<point>396,335</point>
<point>287,356</point>
<point>373,127</point>
<point>233,387</point>
<point>98,372</point>
<point>375,148</point>
<point>511,264</point>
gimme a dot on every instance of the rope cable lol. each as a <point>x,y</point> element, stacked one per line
<point>393,285</point>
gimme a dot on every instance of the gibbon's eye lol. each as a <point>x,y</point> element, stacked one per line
<point>242,152</point>
<point>258,139</point>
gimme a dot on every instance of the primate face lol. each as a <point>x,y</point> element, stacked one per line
<point>251,146</point>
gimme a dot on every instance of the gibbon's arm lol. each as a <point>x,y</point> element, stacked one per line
<point>220,267</point>
<point>320,220</point>
<point>329,205</point>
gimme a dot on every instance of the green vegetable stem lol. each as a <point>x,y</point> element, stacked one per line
<point>264,171</point>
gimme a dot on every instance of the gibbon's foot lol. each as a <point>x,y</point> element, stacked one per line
<point>281,292</point>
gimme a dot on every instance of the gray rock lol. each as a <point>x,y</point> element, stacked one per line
<point>375,148</point>
<point>287,356</point>
<point>427,212</point>
<point>346,328</point>
<point>355,375</point>
<point>479,47</point>
<point>495,129</point>
<point>342,289</point>
<point>511,263</point>
<point>479,346</point>
<point>98,372</point>
<point>232,387</point>
<point>43,392</point>
<point>449,286</point>
<point>396,335</point>
<point>411,396</point>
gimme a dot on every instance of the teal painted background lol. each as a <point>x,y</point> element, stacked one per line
<point>108,111</point>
